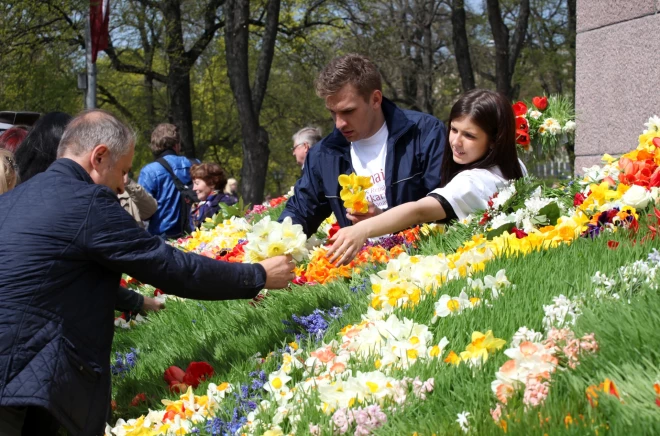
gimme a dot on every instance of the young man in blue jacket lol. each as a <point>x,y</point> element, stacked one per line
<point>400,150</point>
<point>60,267</point>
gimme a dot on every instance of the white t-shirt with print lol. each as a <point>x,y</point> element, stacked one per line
<point>368,157</point>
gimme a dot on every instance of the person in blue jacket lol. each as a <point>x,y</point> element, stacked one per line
<point>400,150</point>
<point>170,220</point>
<point>60,267</point>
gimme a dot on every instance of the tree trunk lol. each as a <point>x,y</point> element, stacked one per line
<point>249,101</point>
<point>506,51</point>
<point>178,77</point>
<point>461,46</point>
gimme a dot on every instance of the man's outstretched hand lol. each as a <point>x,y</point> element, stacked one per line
<point>151,305</point>
<point>357,217</point>
<point>279,271</point>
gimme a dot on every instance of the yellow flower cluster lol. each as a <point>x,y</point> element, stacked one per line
<point>353,192</point>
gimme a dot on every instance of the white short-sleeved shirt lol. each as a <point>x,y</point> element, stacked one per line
<point>470,190</point>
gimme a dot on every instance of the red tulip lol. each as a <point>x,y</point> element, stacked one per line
<point>541,103</point>
<point>519,108</point>
<point>334,229</point>
<point>139,398</point>
<point>197,372</point>
<point>612,244</point>
<point>656,141</point>
<point>522,139</point>
<point>578,199</point>
<point>173,374</point>
<point>521,124</point>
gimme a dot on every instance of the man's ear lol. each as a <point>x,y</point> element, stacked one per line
<point>99,154</point>
<point>376,99</point>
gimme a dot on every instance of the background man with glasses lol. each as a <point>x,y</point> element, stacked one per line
<point>303,141</point>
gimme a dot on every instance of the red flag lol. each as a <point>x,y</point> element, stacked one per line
<point>99,12</point>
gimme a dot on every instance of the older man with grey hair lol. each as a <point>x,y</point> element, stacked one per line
<point>66,242</point>
<point>303,140</point>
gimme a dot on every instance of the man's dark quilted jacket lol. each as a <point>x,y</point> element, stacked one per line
<point>65,243</point>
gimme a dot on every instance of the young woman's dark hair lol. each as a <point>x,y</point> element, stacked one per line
<point>39,149</point>
<point>493,113</point>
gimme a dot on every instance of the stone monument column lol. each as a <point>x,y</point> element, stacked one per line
<point>617,78</point>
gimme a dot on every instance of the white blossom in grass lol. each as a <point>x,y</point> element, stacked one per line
<point>463,422</point>
<point>524,334</point>
<point>569,127</point>
<point>562,313</point>
<point>637,197</point>
<point>654,256</point>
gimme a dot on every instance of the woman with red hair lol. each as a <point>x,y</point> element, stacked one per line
<point>12,138</point>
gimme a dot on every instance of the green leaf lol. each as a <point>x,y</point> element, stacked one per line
<point>551,212</point>
<point>498,231</point>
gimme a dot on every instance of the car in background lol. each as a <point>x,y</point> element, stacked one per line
<point>10,119</point>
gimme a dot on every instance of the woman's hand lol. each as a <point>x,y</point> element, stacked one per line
<point>347,242</point>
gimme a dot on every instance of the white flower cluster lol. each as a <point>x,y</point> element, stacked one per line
<point>525,335</point>
<point>393,343</point>
<point>562,313</point>
<point>526,218</point>
<point>598,173</point>
<point>550,126</point>
<point>447,305</point>
<point>504,195</point>
<point>633,278</point>
<point>409,279</point>
<point>269,239</point>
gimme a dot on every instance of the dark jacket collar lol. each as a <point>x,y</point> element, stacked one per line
<point>70,168</point>
<point>168,152</point>
<point>397,124</point>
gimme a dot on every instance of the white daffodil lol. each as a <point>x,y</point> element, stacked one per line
<point>447,305</point>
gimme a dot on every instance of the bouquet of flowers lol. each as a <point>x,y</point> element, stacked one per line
<point>544,123</point>
<point>354,191</point>
<point>521,207</point>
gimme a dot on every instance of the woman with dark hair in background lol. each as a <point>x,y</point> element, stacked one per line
<point>39,149</point>
<point>479,158</point>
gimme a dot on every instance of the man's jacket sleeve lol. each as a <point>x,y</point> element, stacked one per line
<point>308,206</point>
<point>433,147</point>
<point>113,238</point>
<point>128,300</point>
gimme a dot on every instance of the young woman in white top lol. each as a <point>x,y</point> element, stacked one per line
<point>479,158</point>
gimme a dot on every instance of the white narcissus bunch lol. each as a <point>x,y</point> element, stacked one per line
<point>269,239</point>
<point>550,125</point>
<point>562,313</point>
<point>523,218</point>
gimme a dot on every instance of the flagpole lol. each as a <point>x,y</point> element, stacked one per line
<point>90,94</point>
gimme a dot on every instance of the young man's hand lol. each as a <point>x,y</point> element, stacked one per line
<point>357,217</point>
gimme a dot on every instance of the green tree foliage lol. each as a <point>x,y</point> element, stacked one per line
<point>42,50</point>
